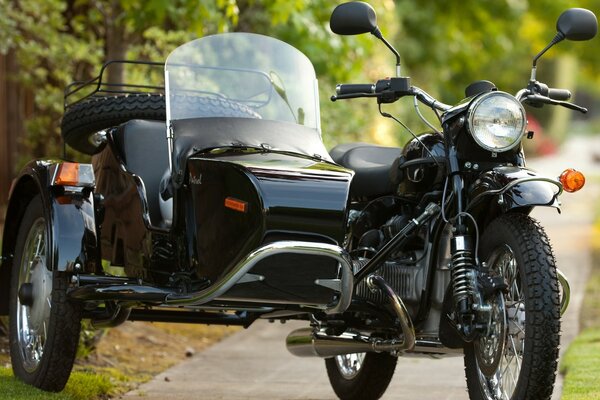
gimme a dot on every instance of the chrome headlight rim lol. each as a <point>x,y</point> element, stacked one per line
<point>471,113</point>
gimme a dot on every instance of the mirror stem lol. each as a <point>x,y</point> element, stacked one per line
<point>377,33</point>
<point>558,38</point>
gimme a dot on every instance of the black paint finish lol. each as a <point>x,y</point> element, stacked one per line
<point>288,197</point>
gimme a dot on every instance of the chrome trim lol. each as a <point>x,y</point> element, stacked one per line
<point>333,284</point>
<point>510,185</point>
<point>433,347</point>
<point>99,138</point>
<point>282,247</point>
<point>566,287</point>
<point>471,114</point>
<point>532,179</point>
<point>408,330</point>
<point>306,342</point>
<point>251,278</point>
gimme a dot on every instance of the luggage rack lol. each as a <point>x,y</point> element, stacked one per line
<point>99,88</point>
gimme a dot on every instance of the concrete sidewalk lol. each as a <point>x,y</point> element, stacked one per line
<point>254,364</point>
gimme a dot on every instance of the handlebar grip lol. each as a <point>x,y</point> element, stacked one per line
<point>353,88</point>
<point>559,94</point>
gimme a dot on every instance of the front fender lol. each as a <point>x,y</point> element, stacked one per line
<point>72,227</point>
<point>503,189</point>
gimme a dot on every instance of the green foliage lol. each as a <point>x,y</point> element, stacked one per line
<point>81,386</point>
<point>42,42</point>
<point>444,46</point>
<point>452,44</point>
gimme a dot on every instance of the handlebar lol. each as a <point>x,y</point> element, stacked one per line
<point>559,94</point>
<point>387,91</point>
<point>537,94</point>
<point>352,88</point>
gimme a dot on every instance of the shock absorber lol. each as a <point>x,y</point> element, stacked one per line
<point>464,284</point>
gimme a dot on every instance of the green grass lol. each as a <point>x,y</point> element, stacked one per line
<point>581,365</point>
<point>81,386</point>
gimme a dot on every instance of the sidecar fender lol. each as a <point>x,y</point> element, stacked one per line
<point>70,211</point>
<point>505,189</point>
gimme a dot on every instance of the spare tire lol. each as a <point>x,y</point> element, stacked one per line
<point>82,120</point>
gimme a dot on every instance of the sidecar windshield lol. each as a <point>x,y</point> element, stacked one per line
<point>241,75</point>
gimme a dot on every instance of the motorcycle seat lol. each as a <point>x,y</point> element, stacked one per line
<point>371,165</point>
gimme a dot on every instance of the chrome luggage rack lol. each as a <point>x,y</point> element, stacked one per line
<point>75,91</point>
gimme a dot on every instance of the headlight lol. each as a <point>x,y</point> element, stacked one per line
<point>497,121</point>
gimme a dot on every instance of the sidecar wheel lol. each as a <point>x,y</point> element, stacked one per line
<point>517,357</point>
<point>362,376</point>
<point>44,326</point>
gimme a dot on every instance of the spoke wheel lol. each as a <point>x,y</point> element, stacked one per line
<point>515,357</point>
<point>360,376</point>
<point>44,326</point>
<point>33,312</point>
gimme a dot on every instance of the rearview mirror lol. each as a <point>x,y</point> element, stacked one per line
<point>577,24</point>
<point>353,18</point>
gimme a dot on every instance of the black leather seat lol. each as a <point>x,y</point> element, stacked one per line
<point>371,164</point>
<point>144,150</point>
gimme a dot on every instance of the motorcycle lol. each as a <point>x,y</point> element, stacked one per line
<point>234,211</point>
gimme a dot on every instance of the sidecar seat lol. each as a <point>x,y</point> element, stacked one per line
<point>143,148</point>
<point>371,164</point>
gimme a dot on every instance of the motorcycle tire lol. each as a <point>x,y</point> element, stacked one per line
<point>363,376</point>
<point>82,120</point>
<point>44,325</point>
<point>527,316</point>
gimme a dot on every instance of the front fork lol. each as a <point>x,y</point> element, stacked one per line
<point>470,283</point>
<point>471,287</point>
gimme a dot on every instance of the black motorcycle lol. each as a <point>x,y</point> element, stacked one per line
<point>234,211</point>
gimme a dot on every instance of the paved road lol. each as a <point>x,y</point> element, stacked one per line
<point>254,364</point>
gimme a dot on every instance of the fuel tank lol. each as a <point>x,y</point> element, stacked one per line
<point>243,199</point>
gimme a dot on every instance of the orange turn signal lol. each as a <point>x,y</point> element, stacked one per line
<point>68,174</point>
<point>236,205</point>
<point>73,174</point>
<point>572,180</point>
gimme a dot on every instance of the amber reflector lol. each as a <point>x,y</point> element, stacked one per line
<point>68,174</point>
<point>572,180</point>
<point>235,204</point>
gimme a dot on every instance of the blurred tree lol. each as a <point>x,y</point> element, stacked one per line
<point>444,45</point>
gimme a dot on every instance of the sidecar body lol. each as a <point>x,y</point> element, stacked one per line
<point>230,202</point>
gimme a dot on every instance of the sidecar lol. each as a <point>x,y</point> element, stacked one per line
<point>212,200</point>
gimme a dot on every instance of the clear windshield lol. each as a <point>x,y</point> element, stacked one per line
<point>241,75</point>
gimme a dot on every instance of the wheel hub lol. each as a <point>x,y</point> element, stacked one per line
<point>41,283</point>
<point>490,344</point>
<point>499,350</point>
<point>350,364</point>
<point>34,298</point>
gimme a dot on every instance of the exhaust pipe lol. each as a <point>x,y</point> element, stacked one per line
<point>305,342</point>
<point>308,343</point>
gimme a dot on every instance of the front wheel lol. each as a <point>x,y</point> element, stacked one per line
<point>361,376</point>
<point>44,324</point>
<point>516,357</point>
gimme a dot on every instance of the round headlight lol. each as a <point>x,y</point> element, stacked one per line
<point>497,121</point>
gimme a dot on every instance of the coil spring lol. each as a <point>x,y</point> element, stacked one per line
<point>462,283</point>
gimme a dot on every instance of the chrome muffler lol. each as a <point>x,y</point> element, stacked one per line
<point>307,342</point>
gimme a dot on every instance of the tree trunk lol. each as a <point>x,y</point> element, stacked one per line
<point>115,46</point>
<point>15,106</point>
